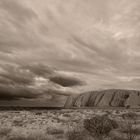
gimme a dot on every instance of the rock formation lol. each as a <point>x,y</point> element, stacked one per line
<point>105,98</point>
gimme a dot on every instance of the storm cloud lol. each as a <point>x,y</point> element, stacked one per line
<point>15,93</point>
<point>35,82</point>
<point>66,81</point>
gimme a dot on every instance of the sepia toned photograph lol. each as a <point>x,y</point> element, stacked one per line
<point>69,69</point>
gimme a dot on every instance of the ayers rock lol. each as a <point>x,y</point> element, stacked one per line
<point>105,98</point>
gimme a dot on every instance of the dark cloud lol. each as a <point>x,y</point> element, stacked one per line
<point>55,101</point>
<point>16,93</point>
<point>66,81</point>
<point>19,82</point>
<point>17,79</point>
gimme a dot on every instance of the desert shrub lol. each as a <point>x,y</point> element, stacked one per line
<point>117,112</point>
<point>5,116</point>
<point>55,131</point>
<point>17,112</point>
<point>100,126</point>
<point>75,134</point>
<point>128,106</point>
<point>129,115</point>
<point>22,138</point>
<point>18,123</point>
<point>4,131</point>
<point>66,115</point>
<point>59,137</point>
<point>29,138</point>
<point>78,133</point>
<point>108,112</point>
<point>57,119</point>
<point>130,129</point>
<point>38,113</point>
<point>118,138</point>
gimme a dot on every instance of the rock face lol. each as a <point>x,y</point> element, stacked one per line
<point>105,98</point>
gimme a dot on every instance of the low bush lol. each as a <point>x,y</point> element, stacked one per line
<point>100,126</point>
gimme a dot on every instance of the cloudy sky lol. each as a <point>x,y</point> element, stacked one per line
<point>53,48</point>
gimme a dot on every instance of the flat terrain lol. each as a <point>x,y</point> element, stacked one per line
<point>56,124</point>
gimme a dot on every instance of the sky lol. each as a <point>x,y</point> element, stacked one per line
<point>50,49</point>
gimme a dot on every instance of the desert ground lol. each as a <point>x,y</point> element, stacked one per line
<point>66,124</point>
